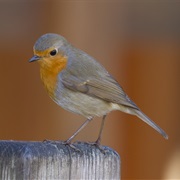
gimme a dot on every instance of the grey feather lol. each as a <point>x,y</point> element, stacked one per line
<point>147,120</point>
<point>92,79</point>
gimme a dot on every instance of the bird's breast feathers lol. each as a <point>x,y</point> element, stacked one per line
<point>49,70</point>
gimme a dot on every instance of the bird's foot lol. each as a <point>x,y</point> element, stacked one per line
<point>98,145</point>
<point>68,143</point>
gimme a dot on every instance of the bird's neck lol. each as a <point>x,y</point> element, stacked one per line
<point>49,71</point>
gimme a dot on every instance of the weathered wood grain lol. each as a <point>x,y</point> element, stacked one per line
<point>53,160</point>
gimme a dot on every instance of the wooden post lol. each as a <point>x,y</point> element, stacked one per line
<point>53,161</point>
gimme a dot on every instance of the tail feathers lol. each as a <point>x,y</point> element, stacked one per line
<point>147,120</point>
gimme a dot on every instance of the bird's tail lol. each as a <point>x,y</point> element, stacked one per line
<point>147,120</point>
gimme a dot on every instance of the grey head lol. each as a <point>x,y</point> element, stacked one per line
<point>50,40</point>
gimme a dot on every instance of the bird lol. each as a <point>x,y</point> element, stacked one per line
<point>80,84</point>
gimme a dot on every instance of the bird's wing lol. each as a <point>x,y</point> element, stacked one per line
<point>105,88</point>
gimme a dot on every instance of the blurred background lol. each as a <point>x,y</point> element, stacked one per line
<point>137,42</point>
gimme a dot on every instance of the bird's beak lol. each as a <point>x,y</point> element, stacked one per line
<point>34,58</point>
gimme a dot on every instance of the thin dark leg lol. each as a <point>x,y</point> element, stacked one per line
<point>98,141</point>
<point>68,141</point>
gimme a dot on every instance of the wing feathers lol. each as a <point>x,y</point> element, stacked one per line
<point>106,89</point>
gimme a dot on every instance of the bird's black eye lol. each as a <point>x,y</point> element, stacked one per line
<point>53,52</point>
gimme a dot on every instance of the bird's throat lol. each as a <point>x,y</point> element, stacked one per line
<point>49,70</point>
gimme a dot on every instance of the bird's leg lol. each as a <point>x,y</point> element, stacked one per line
<point>98,141</point>
<point>68,141</point>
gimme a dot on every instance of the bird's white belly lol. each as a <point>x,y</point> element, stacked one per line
<point>82,104</point>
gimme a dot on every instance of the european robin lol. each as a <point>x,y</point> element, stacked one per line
<point>78,83</point>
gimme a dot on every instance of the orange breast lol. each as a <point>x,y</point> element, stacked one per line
<point>49,70</point>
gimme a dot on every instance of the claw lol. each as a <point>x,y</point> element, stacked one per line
<point>67,143</point>
<point>46,141</point>
<point>97,144</point>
